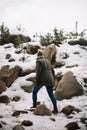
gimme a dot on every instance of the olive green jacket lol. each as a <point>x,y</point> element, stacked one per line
<point>44,72</point>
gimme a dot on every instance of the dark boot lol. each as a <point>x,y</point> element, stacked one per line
<point>34,106</point>
<point>55,111</point>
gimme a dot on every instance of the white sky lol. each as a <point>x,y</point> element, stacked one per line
<point>41,16</point>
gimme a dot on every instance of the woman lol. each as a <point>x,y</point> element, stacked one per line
<point>44,77</point>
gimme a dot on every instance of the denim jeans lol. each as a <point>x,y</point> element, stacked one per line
<point>50,93</point>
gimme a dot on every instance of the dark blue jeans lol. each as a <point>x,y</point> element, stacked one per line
<point>49,91</point>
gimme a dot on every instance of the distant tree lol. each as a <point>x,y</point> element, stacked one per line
<point>58,36</point>
<point>49,38</point>
<point>46,40</point>
<point>4,34</point>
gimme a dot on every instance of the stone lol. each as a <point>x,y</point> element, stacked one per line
<point>32,49</point>
<point>68,87</point>
<point>2,86</point>
<point>18,127</point>
<point>27,123</point>
<point>50,53</point>
<point>67,110</point>
<point>72,126</point>
<point>42,110</point>
<point>9,75</point>
<point>4,99</point>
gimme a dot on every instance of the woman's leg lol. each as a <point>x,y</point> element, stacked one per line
<point>34,94</point>
<point>51,95</point>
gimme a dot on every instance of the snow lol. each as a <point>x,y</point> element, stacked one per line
<point>43,122</point>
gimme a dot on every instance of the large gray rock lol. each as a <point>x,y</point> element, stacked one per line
<point>2,86</point>
<point>67,110</point>
<point>50,53</point>
<point>68,87</point>
<point>9,75</point>
<point>42,110</point>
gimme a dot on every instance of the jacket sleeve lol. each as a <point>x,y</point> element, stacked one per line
<point>53,72</point>
<point>38,70</point>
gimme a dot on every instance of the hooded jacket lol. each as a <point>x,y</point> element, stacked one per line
<point>44,72</point>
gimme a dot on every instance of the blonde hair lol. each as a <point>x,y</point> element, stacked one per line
<point>40,54</point>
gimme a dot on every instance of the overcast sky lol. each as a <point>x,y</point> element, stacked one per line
<point>41,16</point>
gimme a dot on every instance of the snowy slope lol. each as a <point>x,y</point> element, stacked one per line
<point>43,122</point>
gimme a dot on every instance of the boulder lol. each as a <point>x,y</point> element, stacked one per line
<point>72,126</point>
<point>2,86</point>
<point>22,38</point>
<point>42,110</point>
<point>9,75</point>
<point>32,49</point>
<point>27,72</point>
<point>68,87</point>
<point>32,79</point>
<point>27,89</point>
<point>50,53</point>
<point>59,64</point>
<point>73,42</point>
<point>67,110</point>
<point>14,38</point>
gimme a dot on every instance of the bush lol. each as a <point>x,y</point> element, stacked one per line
<point>56,38</point>
<point>16,39</point>
<point>82,42</point>
<point>46,40</point>
<point>4,34</point>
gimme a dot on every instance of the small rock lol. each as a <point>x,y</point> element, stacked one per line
<point>4,99</point>
<point>76,52</point>
<point>59,64</point>
<point>16,113</point>
<point>11,60</point>
<point>27,123</point>
<point>16,98</point>
<point>18,127</point>
<point>71,66</point>
<point>72,126</point>
<point>8,56</point>
<point>27,89</point>
<point>53,119</point>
